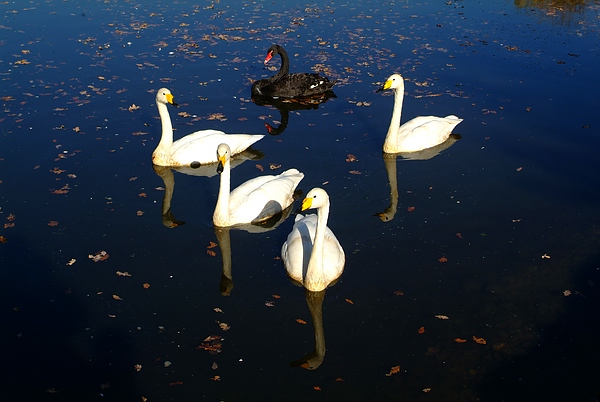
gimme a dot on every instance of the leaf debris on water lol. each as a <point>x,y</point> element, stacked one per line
<point>99,256</point>
<point>480,341</point>
<point>393,370</point>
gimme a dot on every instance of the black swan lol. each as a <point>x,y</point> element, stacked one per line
<point>286,85</point>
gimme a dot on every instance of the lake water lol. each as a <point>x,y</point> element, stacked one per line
<point>481,285</point>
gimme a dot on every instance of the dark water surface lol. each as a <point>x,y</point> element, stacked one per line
<point>498,233</point>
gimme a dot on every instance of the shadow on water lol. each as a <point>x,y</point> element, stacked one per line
<point>46,352</point>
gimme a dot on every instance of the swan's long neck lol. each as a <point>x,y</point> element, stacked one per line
<point>166,141</point>
<point>314,272</point>
<point>392,133</point>
<point>285,64</point>
<point>221,215</point>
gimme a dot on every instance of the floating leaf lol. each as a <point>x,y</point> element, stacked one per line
<point>393,370</point>
<point>459,340</point>
<point>99,256</point>
<point>442,317</point>
<point>480,341</point>
<point>421,330</point>
<point>300,321</point>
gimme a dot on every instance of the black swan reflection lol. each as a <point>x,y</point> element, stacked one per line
<point>287,105</point>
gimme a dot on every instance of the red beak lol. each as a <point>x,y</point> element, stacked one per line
<point>269,57</point>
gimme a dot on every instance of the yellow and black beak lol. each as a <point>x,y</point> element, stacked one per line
<point>306,204</point>
<point>385,86</point>
<point>221,163</point>
<point>171,100</point>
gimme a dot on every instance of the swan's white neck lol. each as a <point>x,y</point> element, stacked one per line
<point>166,140</point>
<point>392,134</point>
<point>314,272</point>
<point>221,215</point>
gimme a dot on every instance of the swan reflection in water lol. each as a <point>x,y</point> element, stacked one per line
<point>390,167</point>
<point>224,241</point>
<point>314,359</point>
<point>287,105</point>
<point>208,170</point>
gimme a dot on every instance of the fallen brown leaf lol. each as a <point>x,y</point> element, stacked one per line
<point>480,341</point>
<point>393,370</point>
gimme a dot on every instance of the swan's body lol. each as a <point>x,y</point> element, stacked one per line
<point>255,200</point>
<point>196,148</point>
<point>312,255</point>
<point>417,134</point>
<point>286,85</point>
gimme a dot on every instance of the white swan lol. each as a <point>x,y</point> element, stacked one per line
<point>196,148</point>
<point>417,134</point>
<point>312,255</point>
<point>255,200</point>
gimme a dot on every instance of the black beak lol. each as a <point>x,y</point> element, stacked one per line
<point>175,104</point>
<point>380,89</point>
<point>220,167</point>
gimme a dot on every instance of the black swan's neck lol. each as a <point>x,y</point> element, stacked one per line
<point>285,62</point>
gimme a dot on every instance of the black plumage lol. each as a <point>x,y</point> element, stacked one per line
<point>286,85</point>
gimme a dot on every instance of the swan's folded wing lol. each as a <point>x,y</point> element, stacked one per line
<point>202,145</point>
<point>334,253</point>
<point>296,250</point>
<point>264,196</point>
<point>424,132</point>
